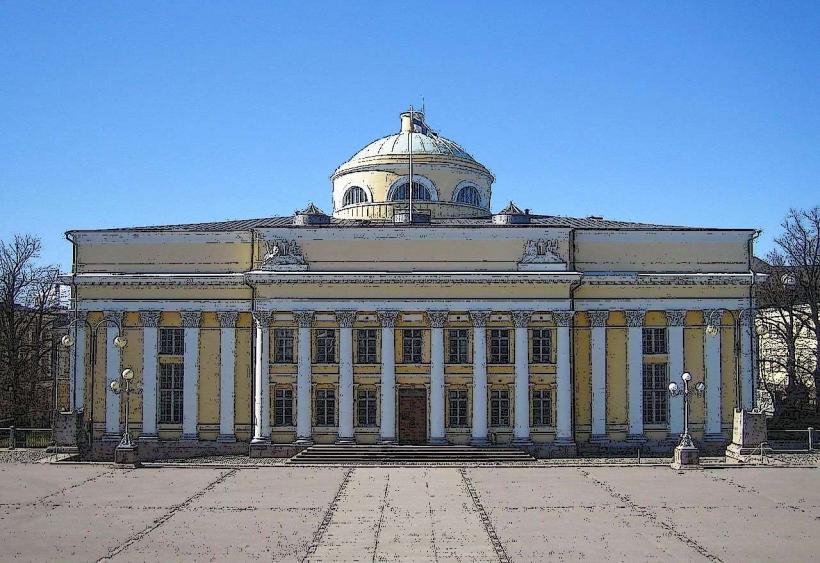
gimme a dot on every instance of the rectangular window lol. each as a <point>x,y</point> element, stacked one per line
<point>541,346</point>
<point>171,342</point>
<point>654,341</point>
<point>171,378</point>
<point>499,407</point>
<point>325,407</point>
<point>655,392</point>
<point>458,342</point>
<point>283,346</point>
<point>411,341</point>
<point>325,346</point>
<point>458,408</point>
<point>366,346</point>
<point>366,406</point>
<point>542,407</point>
<point>283,406</point>
<point>499,346</point>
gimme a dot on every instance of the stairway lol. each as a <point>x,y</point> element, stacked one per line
<point>356,454</point>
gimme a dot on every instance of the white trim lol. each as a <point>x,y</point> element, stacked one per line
<point>278,278</point>
<point>160,235</point>
<point>214,305</point>
<point>353,184</point>
<point>668,278</point>
<point>662,304</point>
<point>423,180</point>
<point>411,305</point>
<point>666,235</point>
<point>101,278</point>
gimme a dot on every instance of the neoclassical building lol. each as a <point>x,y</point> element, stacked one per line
<point>412,313</point>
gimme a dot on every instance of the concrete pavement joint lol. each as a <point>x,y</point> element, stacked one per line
<point>334,504</point>
<point>500,552</point>
<point>165,517</point>
<point>432,523</point>
<point>651,516</point>
<point>74,486</point>
<point>750,490</point>
<point>381,516</point>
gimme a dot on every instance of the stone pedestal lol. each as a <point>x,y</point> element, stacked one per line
<point>686,457</point>
<point>748,434</point>
<point>126,456</point>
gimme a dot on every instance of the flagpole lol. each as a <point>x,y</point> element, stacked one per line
<point>410,146</point>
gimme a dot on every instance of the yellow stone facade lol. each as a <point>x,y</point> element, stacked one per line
<point>433,312</point>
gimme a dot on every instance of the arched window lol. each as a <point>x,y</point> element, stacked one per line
<point>469,195</point>
<point>420,192</point>
<point>354,195</point>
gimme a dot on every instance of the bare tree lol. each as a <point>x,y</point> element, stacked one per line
<point>799,254</point>
<point>28,304</point>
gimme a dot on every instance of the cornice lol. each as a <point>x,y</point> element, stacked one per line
<point>156,280</point>
<point>391,278</point>
<point>686,279</point>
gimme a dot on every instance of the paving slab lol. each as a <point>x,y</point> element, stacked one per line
<point>23,483</point>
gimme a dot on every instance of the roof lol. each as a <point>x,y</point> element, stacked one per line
<point>486,221</point>
<point>422,144</point>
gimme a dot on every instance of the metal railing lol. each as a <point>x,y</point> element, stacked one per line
<point>789,437</point>
<point>12,437</point>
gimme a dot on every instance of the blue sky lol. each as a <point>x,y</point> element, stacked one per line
<point>123,113</point>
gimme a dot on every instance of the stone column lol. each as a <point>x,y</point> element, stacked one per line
<point>479,319</point>
<point>747,382</point>
<point>261,372</point>
<point>437,321</point>
<point>597,322</point>
<point>346,320</point>
<point>304,384</point>
<point>78,361</point>
<point>227,367</point>
<point>674,330</point>
<point>190,385</point>
<point>634,355</point>
<point>563,378</point>
<point>521,429</point>
<point>150,340</point>
<point>113,361</point>
<point>711,360</point>
<point>388,385</point>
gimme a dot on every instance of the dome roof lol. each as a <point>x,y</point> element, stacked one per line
<point>429,143</point>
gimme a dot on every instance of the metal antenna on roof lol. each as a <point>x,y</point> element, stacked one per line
<point>410,147</point>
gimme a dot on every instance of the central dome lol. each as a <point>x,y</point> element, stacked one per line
<point>375,183</point>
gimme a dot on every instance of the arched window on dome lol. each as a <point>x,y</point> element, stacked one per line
<point>354,195</point>
<point>420,192</point>
<point>469,195</point>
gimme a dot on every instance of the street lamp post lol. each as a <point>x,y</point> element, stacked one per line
<point>687,455</point>
<point>119,341</point>
<point>126,453</point>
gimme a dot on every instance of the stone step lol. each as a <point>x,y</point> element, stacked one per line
<point>384,453</point>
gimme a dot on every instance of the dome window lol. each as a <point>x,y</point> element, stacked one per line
<point>420,192</point>
<point>469,195</point>
<point>354,195</point>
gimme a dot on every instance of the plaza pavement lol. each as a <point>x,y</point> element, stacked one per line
<point>90,512</point>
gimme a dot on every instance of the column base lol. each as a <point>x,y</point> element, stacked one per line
<point>564,441</point>
<point>304,441</point>
<point>111,437</point>
<point>226,439</point>
<point>188,438</point>
<point>636,439</point>
<point>387,441</point>
<point>438,441</point>
<point>599,439</point>
<point>345,440</point>
<point>148,438</point>
<point>714,437</point>
<point>260,441</point>
<point>522,441</point>
<point>479,441</point>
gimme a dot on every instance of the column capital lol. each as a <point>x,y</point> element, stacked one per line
<point>480,318</point>
<point>227,319</point>
<point>387,318</point>
<point>712,317</point>
<point>597,317</point>
<point>437,318</point>
<point>303,318</point>
<point>635,317</point>
<point>262,318</point>
<point>191,319</point>
<point>521,319</point>
<point>114,316</point>
<point>744,316</point>
<point>675,317</point>
<point>345,318</point>
<point>563,318</point>
<point>149,318</point>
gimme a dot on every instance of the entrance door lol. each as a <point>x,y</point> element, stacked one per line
<point>412,416</point>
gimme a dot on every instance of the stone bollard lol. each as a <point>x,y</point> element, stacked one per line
<point>12,438</point>
<point>811,444</point>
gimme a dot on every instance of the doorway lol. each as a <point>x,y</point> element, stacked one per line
<point>412,416</point>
